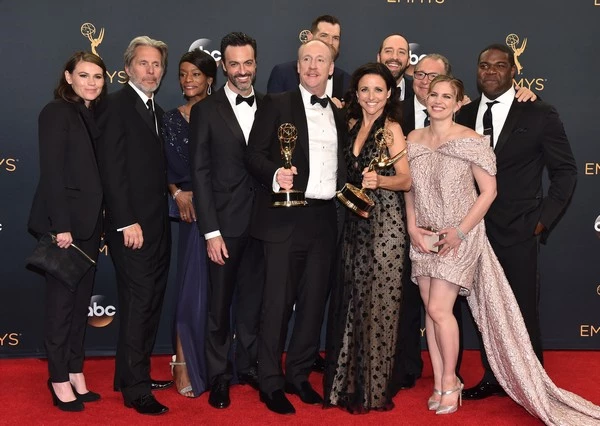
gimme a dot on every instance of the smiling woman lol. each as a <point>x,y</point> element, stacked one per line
<point>67,203</point>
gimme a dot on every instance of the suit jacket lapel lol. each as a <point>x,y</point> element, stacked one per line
<point>226,111</point>
<point>299,120</point>
<point>338,85</point>
<point>509,125</point>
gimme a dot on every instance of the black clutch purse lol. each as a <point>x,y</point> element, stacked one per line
<point>67,265</point>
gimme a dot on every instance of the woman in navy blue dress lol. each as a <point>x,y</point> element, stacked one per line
<point>197,73</point>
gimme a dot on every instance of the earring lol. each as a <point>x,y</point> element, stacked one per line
<point>209,90</point>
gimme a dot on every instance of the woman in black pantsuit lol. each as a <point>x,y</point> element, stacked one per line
<point>67,203</point>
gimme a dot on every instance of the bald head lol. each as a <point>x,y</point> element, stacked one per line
<point>315,65</point>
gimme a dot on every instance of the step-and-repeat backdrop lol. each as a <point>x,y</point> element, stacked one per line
<point>556,44</point>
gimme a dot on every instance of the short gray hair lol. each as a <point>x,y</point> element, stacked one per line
<point>161,46</point>
<point>438,57</point>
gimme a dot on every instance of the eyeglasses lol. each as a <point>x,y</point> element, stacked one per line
<point>420,75</point>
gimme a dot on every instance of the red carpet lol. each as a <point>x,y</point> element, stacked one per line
<point>25,399</point>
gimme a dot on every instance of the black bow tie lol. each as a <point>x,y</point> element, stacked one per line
<point>314,99</point>
<point>239,99</point>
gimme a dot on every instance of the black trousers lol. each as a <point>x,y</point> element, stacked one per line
<point>141,281</point>
<point>520,264</point>
<point>297,271</point>
<point>236,284</point>
<point>66,315</point>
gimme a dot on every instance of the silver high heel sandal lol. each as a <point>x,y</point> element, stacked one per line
<point>174,363</point>
<point>432,404</point>
<point>449,409</point>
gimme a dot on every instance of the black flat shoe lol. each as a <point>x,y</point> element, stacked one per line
<point>89,396</point>
<point>277,402</point>
<point>147,404</point>
<point>219,395</point>
<point>483,390</point>
<point>306,393</point>
<point>72,406</point>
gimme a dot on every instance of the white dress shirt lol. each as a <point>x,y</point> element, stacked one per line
<point>323,148</point>
<point>402,87</point>
<point>499,112</point>
<point>419,114</point>
<point>244,113</point>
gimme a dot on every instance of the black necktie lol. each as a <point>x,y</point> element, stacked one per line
<point>399,93</point>
<point>150,106</point>
<point>426,121</point>
<point>488,127</point>
<point>314,99</point>
<point>239,99</point>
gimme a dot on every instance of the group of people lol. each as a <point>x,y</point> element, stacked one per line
<point>461,212</point>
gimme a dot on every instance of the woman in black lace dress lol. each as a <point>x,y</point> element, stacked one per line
<point>366,303</point>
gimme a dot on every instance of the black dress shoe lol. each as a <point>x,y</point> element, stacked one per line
<point>219,395</point>
<point>277,402</point>
<point>249,378</point>
<point>147,404</point>
<point>407,382</point>
<point>75,405</point>
<point>483,390</point>
<point>319,364</point>
<point>89,396</point>
<point>161,384</point>
<point>306,393</point>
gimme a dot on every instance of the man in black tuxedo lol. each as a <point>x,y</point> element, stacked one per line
<point>223,197</point>
<point>528,137</point>
<point>284,77</point>
<point>133,172</point>
<point>299,242</point>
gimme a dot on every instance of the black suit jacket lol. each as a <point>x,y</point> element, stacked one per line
<point>284,78</point>
<point>408,107</point>
<point>532,138</point>
<point>264,158</point>
<point>69,194</point>
<point>223,189</point>
<point>132,164</point>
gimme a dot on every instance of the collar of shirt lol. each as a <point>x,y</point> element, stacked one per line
<point>402,86</point>
<point>306,99</point>
<point>141,94</point>
<point>499,112</point>
<point>231,95</point>
<point>506,98</point>
<point>419,114</point>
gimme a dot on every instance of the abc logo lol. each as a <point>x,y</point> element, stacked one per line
<point>202,44</point>
<point>414,57</point>
<point>597,224</point>
<point>99,313</point>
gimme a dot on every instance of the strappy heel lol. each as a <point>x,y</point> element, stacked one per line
<point>173,364</point>
<point>432,404</point>
<point>449,409</point>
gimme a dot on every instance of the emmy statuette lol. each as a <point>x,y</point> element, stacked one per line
<point>287,135</point>
<point>356,199</point>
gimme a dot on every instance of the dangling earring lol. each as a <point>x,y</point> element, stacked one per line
<point>209,90</point>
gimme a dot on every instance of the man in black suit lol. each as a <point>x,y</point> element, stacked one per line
<point>284,77</point>
<point>223,197</point>
<point>133,171</point>
<point>299,241</point>
<point>527,137</point>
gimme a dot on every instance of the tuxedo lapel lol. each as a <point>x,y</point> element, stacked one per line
<point>299,120</point>
<point>226,112</point>
<point>509,125</point>
<point>338,85</point>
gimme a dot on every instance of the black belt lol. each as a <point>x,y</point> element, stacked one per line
<point>315,202</point>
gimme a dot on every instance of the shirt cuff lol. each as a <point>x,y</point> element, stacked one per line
<point>212,234</point>
<point>275,185</point>
<point>125,227</point>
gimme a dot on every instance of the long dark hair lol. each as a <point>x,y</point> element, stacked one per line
<point>392,109</point>
<point>65,91</point>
